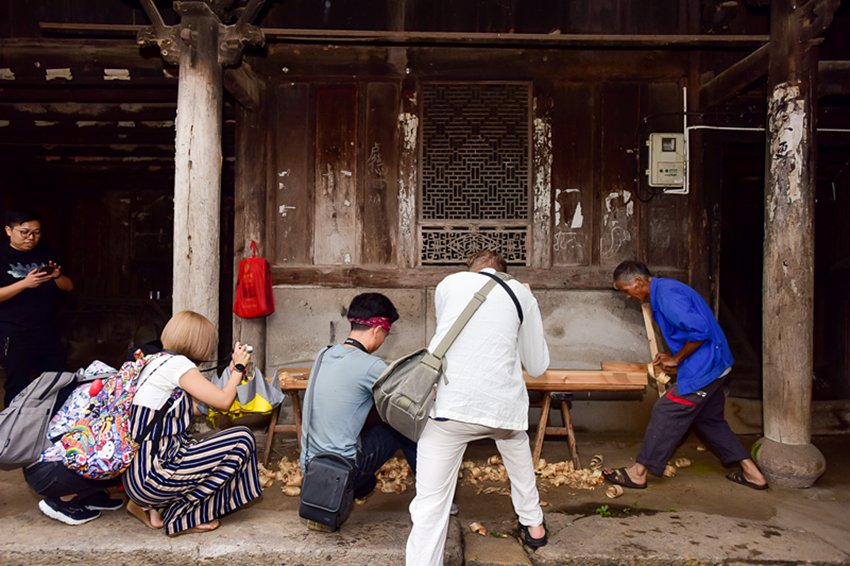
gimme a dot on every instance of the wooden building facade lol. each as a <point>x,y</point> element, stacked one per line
<point>373,144</point>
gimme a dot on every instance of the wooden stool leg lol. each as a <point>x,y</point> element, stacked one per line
<point>571,437</point>
<point>296,413</point>
<point>541,428</point>
<point>267,453</point>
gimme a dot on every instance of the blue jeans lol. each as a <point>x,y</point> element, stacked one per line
<point>377,446</point>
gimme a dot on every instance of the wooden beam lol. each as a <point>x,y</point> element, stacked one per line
<point>661,378</point>
<point>735,79</point>
<point>390,277</point>
<point>250,216</point>
<point>197,166</point>
<point>813,18</point>
<point>833,78</point>
<point>245,86</point>
<point>146,114</point>
<point>786,455</point>
<point>470,39</point>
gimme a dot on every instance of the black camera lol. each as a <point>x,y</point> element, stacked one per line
<point>47,269</point>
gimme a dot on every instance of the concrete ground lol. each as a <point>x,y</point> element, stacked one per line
<point>698,517</point>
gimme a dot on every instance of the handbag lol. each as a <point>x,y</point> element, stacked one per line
<point>327,490</point>
<point>405,392</point>
<point>254,396</point>
<point>254,297</point>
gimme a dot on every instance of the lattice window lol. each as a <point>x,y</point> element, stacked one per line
<point>475,171</point>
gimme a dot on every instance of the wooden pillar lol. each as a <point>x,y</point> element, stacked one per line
<point>197,164</point>
<point>252,151</point>
<point>786,454</point>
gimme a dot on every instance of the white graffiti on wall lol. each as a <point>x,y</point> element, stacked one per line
<point>569,220</point>
<point>616,220</point>
<point>375,162</point>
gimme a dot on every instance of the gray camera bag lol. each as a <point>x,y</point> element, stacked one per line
<point>404,393</point>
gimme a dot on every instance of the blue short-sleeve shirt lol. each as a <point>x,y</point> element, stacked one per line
<point>683,316</point>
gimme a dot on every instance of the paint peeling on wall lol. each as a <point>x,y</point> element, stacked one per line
<point>4,123</point>
<point>157,123</point>
<point>6,74</point>
<point>53,74</point>
<point>44,123</point>
<point>786,127</point>
<point>409,127</point>
<point>568,239</point>
<point>542,174</point>
<point>116,74</point>
<point>30,108</point>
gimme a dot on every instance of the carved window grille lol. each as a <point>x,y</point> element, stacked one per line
<point>475,171</point>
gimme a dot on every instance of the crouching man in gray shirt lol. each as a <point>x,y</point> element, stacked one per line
<point>343,396</point>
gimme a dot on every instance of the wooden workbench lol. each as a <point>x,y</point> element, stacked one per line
<point>612,376</point>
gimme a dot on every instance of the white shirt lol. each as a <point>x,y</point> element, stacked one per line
<point>484,365</point>
<point>159,379</point>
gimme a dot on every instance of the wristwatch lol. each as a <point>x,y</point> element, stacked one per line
<point>239,367</point>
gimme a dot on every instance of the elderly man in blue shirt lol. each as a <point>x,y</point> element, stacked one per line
<point>703,359</point>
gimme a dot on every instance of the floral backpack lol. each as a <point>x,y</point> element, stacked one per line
<point>98,445</point>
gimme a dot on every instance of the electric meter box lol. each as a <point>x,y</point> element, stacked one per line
<point>666,160</point>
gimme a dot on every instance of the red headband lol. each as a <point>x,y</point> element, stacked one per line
<point>379,321</point>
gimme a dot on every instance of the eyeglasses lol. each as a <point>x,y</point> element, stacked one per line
<point>26,234</point>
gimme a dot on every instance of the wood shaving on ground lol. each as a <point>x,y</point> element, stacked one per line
<point>288,473</point>
<point>478,528</point>
<point>551,475</point>
<point>394,477</point>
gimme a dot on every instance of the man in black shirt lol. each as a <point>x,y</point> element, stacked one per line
<point>30,281</point>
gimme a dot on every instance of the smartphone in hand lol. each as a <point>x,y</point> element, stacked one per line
<point>48,269</point>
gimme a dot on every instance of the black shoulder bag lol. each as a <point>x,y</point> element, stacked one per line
<point>327,490</point>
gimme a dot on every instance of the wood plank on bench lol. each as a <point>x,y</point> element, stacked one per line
<point>613,376</point>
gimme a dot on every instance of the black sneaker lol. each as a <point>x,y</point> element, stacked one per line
<point>101,501</point>
<point>70,513</point>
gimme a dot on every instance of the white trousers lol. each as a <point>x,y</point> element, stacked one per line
<point>438,458</point>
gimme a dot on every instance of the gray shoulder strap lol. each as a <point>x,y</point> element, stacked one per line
<point>477,300</point>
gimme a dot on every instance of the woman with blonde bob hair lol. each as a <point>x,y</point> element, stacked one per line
<point>175,481</point>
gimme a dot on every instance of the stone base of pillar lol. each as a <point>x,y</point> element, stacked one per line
<point>789,465</point>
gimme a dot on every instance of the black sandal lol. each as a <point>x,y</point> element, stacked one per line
<point>621,477</point>
<point>532,542</point>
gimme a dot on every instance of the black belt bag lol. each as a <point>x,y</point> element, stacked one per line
<point>327,490</point>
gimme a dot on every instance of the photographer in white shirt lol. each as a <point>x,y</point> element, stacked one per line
<point>484,397</point>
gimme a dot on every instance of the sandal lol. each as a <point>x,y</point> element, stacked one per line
<point>202,528</point>
<point>529,540</point>
<point>621,477</point>
<point>141,514</point>
<point>738,477</point>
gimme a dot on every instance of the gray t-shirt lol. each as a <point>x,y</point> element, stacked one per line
<point>341,401</point>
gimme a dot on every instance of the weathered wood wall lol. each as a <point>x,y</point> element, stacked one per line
<point>347,179</point>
